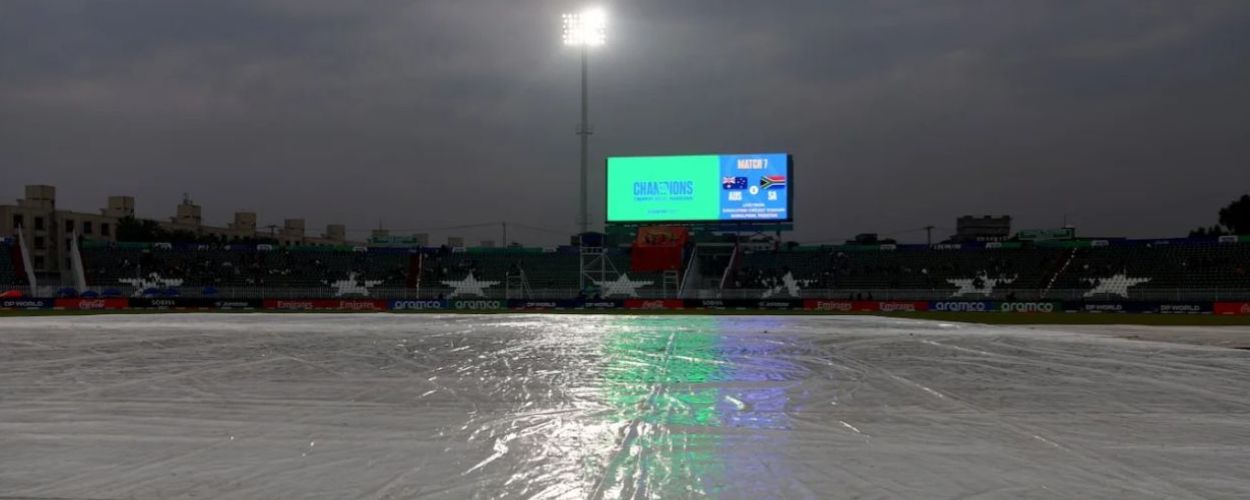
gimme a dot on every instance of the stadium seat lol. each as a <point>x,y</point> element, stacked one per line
<point>1115,269</point>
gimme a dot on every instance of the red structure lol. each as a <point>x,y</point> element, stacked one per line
<point>658,248</point>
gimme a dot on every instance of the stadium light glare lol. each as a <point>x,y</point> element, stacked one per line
<point>587,28</point>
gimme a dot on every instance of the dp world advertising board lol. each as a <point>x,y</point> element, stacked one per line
<point>742,188</point>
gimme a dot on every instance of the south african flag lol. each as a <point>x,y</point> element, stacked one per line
<point>773,182</point>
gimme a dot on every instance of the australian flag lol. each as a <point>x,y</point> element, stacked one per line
<point>733,182</point>
<point>773,182</point>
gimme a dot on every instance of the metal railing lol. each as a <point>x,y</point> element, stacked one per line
<point>1139,294</point>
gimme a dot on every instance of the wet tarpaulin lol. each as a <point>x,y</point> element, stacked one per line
<point>587,406</point>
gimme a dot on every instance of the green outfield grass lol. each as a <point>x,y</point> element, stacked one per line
<point>959,317</point>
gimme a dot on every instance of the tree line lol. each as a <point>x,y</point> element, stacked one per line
<point>130,229</point>
<point>1233,219</point>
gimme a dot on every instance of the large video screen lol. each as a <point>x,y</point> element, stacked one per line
<point>737,188</point>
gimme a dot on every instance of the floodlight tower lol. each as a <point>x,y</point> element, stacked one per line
<point>584,30</point>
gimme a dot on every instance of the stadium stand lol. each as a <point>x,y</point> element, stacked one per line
<point>10,275</point>
<point>1145,270</point>
<point>1130,270</point>
<point>985,270</point>
<point>439,268</point>
<point>654,281</point>
<point>555,269</point>
<point>1092,270</point>
<point>201,266</point>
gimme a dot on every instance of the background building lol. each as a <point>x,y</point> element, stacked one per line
<point>48,231</point>
<point>984,228</point>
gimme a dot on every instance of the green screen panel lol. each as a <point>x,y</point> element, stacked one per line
<point>663,188</point>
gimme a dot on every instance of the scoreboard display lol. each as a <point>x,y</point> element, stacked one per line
<point>699,188</point>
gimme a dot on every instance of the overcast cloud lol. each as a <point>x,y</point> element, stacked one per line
<point>1129,116</point>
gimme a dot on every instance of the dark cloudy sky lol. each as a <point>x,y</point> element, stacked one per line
<point>1130,116</point>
